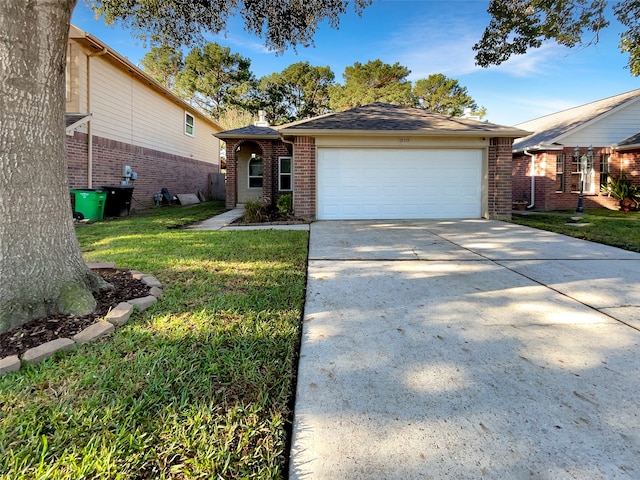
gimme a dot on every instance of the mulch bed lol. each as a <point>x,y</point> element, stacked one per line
<point>43,330</point>
<point>272,217</point>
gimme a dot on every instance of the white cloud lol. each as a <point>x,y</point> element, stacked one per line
<point>534,62</point>
<point>242,41</point>
<point>444,44</point>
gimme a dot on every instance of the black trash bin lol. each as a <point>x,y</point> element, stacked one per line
<point>118,202</point>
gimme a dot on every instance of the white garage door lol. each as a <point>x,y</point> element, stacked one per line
<point>398,184</point>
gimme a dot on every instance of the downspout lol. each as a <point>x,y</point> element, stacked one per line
<point>533,179</point>
<point>89,133</point>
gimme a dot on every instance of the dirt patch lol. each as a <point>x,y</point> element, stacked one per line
<point>43,330</point>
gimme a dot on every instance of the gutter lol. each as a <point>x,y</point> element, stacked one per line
<point>533,178</point>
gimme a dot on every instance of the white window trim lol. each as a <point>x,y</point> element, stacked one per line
<point>280,174</point>
<point>249,177</point>
<point>561,159</point>
<point>192,125</point>
<point>588,180</point>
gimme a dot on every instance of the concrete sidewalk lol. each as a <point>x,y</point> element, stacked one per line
<point>466,350</point>
<point>225,220</point>
<point>219,221</point>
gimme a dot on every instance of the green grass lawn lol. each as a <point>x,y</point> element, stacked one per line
<point>198,386</point>
<point>610,227</point>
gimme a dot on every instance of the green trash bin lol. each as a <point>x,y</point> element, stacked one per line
<point>90,203</point>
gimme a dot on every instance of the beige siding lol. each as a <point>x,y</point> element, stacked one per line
<point>127,110</point>
<point>404,142</point>
<point>613,128</point>
<point>76,79</point>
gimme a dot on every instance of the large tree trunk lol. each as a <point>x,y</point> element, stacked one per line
<point>41,268</point>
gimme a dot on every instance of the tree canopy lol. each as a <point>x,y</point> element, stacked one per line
<point>519,25</point>
<point>374,81</point>
<point>281,24</point>
<point>440,94</point>
<point>163,63</point>
<point>300,91</point>
<point>211,78</point>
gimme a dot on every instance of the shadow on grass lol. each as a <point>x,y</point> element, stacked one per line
<point>197,387</point>
<point>203,393</point>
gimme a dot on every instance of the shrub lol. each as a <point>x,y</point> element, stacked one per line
<point>618,188</point>
<point>623,190</point>
<point>285,205</point>
<point>254,212</point>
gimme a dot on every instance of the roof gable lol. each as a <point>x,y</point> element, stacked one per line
<point>551,129</point>
<point>383,118</point>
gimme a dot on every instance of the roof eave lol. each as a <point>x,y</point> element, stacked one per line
<point>538,148</point>
<point>298,132</point>
<point>69,130</point>
<point>621,148</point>
<point>235,136</point>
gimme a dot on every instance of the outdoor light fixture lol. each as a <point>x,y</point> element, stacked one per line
<point>583,161</point>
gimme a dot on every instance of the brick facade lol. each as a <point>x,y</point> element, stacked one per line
<point>270,151</point>
<point>155,169</point>
<point>499,178</point>
<point>550,195</point>
<point>499,203</point>
<point>304,177</point>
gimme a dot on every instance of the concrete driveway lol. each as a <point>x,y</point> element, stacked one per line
<point>467,350</point>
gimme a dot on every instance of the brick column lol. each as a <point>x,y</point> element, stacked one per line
<point>304,177</point>
<point>499,178</point>
<point>232,171</point>
<point>268,174</point>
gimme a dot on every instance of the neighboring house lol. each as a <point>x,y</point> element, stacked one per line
<point>117,115</point>
<point>604,134</point>
<point>378,161</point>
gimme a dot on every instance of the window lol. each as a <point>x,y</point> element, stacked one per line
<point>604,169</point>
<point>284,174</point>
<point>576,174</point>
<point>560,173</point>
<point>189,124</point>
<point>255,171</point>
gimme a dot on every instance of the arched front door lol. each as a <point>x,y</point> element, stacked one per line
<point>250,174</point>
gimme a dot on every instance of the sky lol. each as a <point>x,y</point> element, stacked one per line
<point>428,37</point>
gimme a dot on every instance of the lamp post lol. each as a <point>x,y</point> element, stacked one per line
<point>584,161</point>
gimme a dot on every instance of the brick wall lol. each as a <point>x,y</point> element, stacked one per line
<point>77,148</point>
<point>232,173</point>
<point>155,169</point>
<point>547,196</point>
<point>304,177</point>
<point>499,178</point>
<point>270,150</point>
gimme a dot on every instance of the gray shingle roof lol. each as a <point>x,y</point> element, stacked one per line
<point>383,117</point>
<point>550,129</point>
<point>72,118</point>
<point>633,141</point>
<point>75,120</point>
<point>250,131</point>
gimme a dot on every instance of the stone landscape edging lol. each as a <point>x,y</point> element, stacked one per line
<point>116,317</point>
